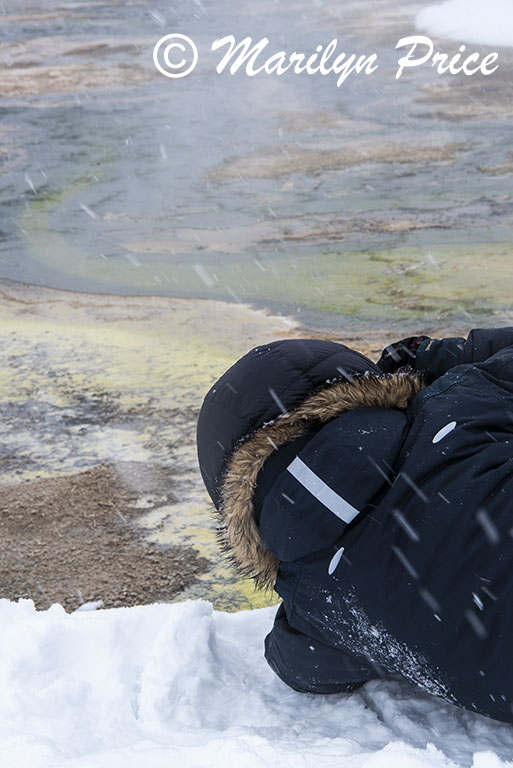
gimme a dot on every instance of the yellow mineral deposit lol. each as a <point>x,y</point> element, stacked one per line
<point>119,381</point>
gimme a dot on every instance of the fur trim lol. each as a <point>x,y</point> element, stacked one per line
<point>238,532</point>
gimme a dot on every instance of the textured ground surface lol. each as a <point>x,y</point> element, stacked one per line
<point>73,540</point>
<point>101,496</point>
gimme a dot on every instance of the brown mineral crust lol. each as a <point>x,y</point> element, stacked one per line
<point>73,540</point>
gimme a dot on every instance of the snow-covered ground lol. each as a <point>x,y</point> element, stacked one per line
<point>488,22</point>
<point>182,685</point>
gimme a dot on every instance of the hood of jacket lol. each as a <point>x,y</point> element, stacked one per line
<point>270,379</point>
<point>238,530</point>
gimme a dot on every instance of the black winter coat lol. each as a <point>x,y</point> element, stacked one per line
<point>381,510</point>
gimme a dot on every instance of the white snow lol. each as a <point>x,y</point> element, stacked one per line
<point>183,685</point>
<point>444,431</point>
<point>472,21</point>
<point>335,560</point>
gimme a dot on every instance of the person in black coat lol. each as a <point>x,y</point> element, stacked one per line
<point>377,500</point>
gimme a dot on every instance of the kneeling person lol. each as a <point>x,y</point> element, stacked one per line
<point>376,500</point>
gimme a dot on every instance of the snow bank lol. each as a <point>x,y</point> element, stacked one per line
<point>182,685</point>
<point>488,22</point>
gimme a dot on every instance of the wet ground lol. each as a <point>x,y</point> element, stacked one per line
<point>362,214</point>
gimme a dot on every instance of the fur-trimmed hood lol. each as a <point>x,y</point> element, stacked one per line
<point>238,530</point>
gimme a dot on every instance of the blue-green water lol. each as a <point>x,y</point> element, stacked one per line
<point>379,200</point>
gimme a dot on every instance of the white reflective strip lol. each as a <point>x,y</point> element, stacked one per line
<point>322,492</point>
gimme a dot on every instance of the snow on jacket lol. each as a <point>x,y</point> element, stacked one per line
<point>380,509</point>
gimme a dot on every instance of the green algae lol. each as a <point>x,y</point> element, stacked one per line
<point>394,264</point>
<point>388,283</point>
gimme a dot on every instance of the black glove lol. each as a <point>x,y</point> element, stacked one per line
<point>400,353</point>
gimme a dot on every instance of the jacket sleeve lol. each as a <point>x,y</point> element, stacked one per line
<point>436,356</point>
<point>308,666</point>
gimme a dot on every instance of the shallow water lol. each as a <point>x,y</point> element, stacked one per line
<point>381,200</point>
